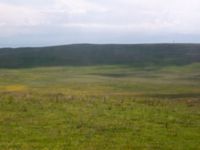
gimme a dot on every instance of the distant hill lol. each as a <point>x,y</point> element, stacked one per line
<point>93,54</point>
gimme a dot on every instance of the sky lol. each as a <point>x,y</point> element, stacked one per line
<point>57,22</point>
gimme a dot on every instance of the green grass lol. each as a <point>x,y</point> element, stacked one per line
<point>100,107</point>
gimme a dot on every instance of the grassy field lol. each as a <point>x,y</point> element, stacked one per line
<point>100,107</point>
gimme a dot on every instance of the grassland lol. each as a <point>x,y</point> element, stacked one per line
<point>100,107</point>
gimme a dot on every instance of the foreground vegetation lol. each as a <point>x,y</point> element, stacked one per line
<point>100,107</point>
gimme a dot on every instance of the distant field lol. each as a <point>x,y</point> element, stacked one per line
<point>100,107</point>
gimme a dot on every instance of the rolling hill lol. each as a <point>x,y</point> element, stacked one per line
<point>93,54</point>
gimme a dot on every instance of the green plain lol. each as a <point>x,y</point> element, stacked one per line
<point>106,107</point>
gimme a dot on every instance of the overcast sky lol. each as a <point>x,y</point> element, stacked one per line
<point>55,22</point>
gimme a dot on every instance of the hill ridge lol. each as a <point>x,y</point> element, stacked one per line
<point>100,54</point>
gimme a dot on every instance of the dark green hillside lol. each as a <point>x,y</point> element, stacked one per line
<point>91,54</point>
